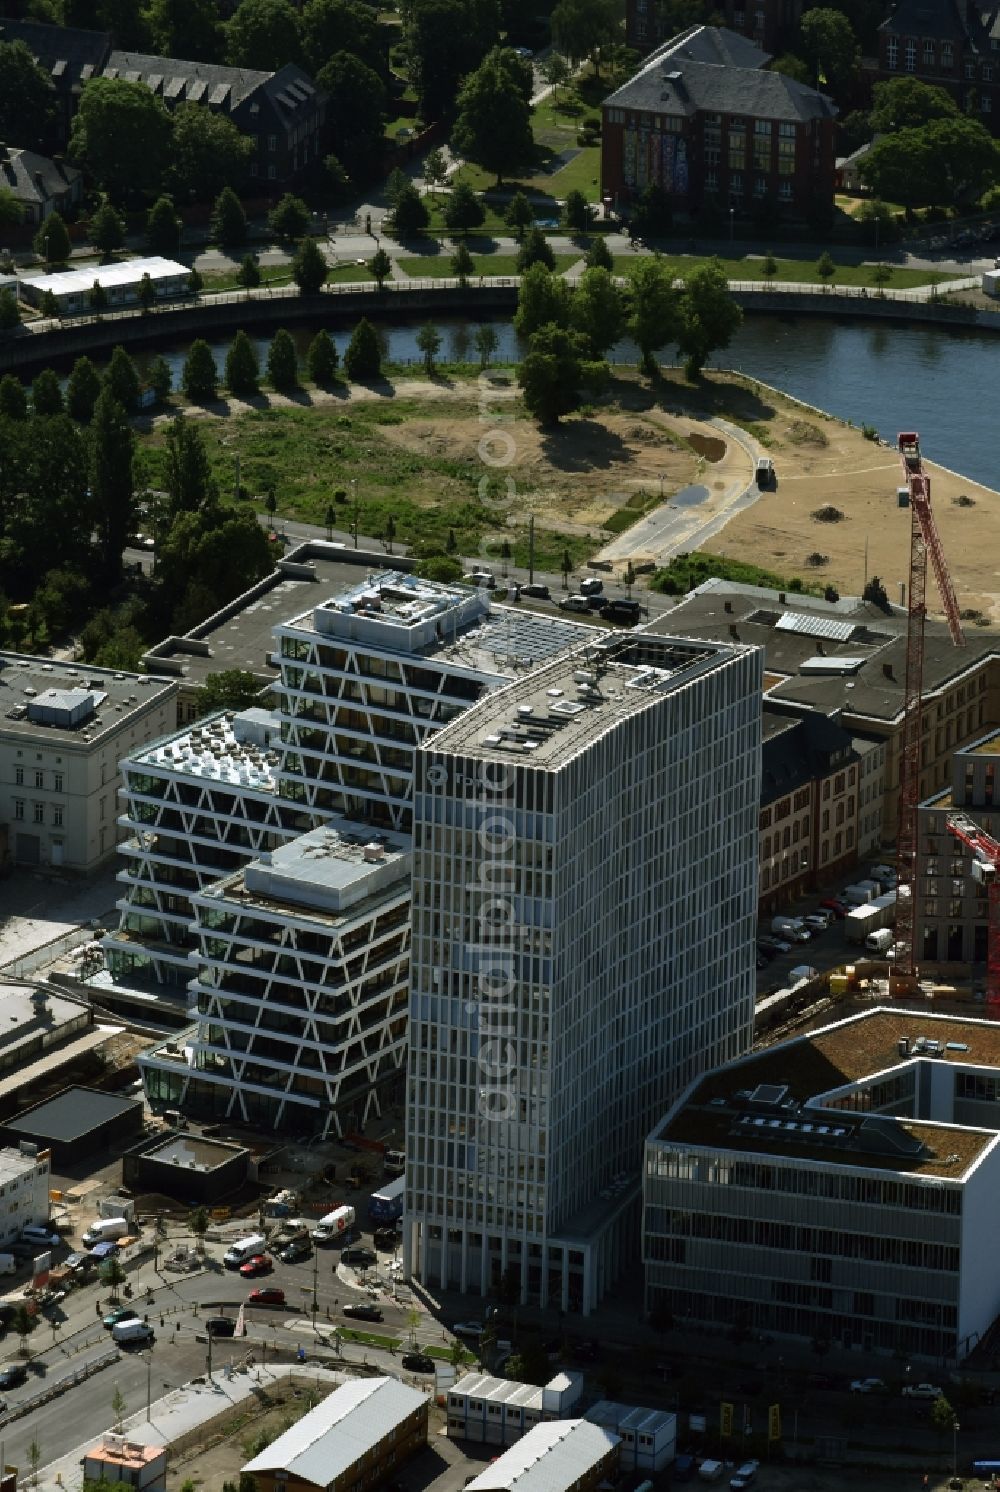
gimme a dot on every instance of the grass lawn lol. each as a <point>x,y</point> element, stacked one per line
<point>226,279</point>
<point>306,453</point>
<point>347,272</point>
<point>438,266</point>
<point>801,270</point>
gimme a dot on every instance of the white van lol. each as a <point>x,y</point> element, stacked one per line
<point>244,1249</point>
<point>132,1334</point>
<point>105,1230</point>
<point>8,1264</point>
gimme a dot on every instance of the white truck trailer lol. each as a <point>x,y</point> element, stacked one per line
<point>870,917</point>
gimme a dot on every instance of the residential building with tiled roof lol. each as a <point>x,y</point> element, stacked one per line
<point>951,44</point>
<point>705,121</point>
<point>39,184</point>
<point>840,1187</point>
<point>769,23</point>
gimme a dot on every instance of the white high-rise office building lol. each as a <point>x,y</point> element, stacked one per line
<point>584,894</point>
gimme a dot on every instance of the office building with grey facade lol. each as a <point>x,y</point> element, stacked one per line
<point>952,904</point>
<point>840,1187</point>
<point>584,896</point>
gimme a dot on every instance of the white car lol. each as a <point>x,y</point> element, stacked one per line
<point>800,934</point>
<point>473,1329</point>
<point>817,921</point>
<point>867,1386</point>
<point>745,1476</point>
<point>922,1391</point>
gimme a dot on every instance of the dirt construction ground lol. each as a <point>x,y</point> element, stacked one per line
<point>823,464</point>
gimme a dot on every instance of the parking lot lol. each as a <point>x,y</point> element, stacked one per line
<point>825,950</point>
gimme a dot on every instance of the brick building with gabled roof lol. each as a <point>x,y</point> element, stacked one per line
<point>950,44</point>
<point>704,120</point>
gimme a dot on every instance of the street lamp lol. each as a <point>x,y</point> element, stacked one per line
<point>354,501</point>
<point>955,1427</point>
<point>732,226</point>
<point>147,1359</point>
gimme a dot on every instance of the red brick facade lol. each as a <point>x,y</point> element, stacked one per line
<point>769,23</point>
<point>950,45</point>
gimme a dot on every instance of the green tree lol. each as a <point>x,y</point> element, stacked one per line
<point>355,111</point>
<point>107,229</point>
<point>289,219</point>
<point>208,557</point>
<point>199,378</point>
<point>229,221</point>
<point>23,1324</point>
<point>146,292</point>
<point>554,371</point>
<point>380,267</point>
<point>119,1404</point>
<point>46,395</point>
<point>195,282</point>
<point>653,214</point>
<point>122,379</point>
<point>830,47</point>
<point>27,97</point>
<point>535,249</point>
<point>263,34</point>
<point>409,216</point>
<point>209,153</point>
<point>542,300</point>
<point>520,214</point>
<point>198,1220</point>
<point>943,1416</point>
<point>242,366</point>
<point>230,689</point>
<point>652,310</point>
<point>122,133</point>
<point>442,568</point>
<point>557,73</point>
<point>530,1364</point>
<point>309,267</point>
<point>160,378</point>
<point>248,274</point>
<point>825,267</point>
<point>189,481</point>
<point>322,359</point>
<point>111,450</point>
<point>282,361</point>
<point>186,28</point>
<point>907,103</point>
<point>446,40</point>
<point>599,256</point>
<point>397,182</point>
<point>947,162</point>
<point>485,341</point>
<point>52,240</point>
<point>493,115</point>
<point>330,27</point>
<point>581,28</point>
<point>598,311</point>
<point>577,211</point>
<point>34,1449</point>
<point>112,1275</point>
<point>363,358</point>
<point>708,316</point>
<point>435,168</point>
<point>769,266</point>
<point>882,274</point>
<point>13,399</point>
<point>10,316</point>
<point>163,228</point>
<point>11,211</point>
<point>792,67</point>
<point>429,342</point>
<point>463,209</point>
<point>461,264</point>
<point>98,297</point>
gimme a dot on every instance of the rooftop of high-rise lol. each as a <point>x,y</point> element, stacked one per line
<point>234,749</point>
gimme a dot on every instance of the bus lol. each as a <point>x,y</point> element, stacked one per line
<point>386,1205</point>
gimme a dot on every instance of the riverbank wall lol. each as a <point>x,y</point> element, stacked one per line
<point>28,350</point>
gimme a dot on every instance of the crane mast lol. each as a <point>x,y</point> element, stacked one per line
<point>924,541</point>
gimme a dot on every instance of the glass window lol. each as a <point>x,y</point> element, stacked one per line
<point>19,776</point>
<point>38,812</point>
<point>892,52</point>
<point>19,808</point>
<point>39,777</point>
<point>911,56</point>
<point>57,782</point>
<point>57,815</point>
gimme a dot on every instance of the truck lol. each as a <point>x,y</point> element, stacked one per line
<point>870,917</point>
<point>880,941</point>
<point>764,473</point>
<point>386,1205</point>
<point>334,1224</point>
<point>105,1230</point>
<point>859,893</point>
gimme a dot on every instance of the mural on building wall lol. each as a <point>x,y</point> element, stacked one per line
<point>628,166</point>
<point>653,159</point>
<point>681,167</point>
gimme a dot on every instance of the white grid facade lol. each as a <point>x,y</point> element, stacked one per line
<point>621,914</point>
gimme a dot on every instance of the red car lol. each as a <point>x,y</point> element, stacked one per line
<point>259,1264</point>
<point>837,907</point>
<point>270,1295</point>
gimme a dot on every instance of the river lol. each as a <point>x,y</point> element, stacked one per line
<point>937,382</point>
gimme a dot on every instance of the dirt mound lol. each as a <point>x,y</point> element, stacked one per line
<point>708,446</point>
<point>801,433</point>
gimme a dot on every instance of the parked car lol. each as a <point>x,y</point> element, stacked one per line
<point>835,905</point>
<point>817,922</point>
<point>220,1326</point>
<point>623,611</point>
<point>41,1235</point>
<point>800,934</point>
<point>14,1374</point>
<point>471,1329</point>
<point>537,591</point>
<point>774,945</point>
<point>123,1313</point>
<point>418,1362</point>
<point>745,1476</point>
<point>269,1295</point>
<point>386,1239</point>
<point>363,1312</point>
<point>257,1264</point>
<point>922,1391</point>
<point>574,603</point>
<point>867,1386</point>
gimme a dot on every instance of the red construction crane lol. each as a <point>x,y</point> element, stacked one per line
<point>985,858</point>
<point>924,540</point>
